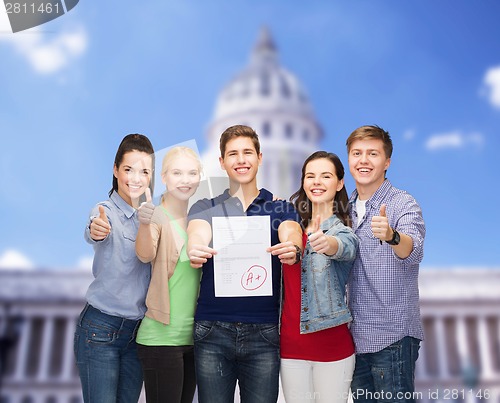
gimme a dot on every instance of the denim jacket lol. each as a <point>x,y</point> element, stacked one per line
<point>324,278</point>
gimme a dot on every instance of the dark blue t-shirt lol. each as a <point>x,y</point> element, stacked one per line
<point>259,309</point>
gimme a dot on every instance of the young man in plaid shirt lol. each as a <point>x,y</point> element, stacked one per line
<point>383,285</point>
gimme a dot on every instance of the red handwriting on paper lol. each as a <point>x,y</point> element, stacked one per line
<point>253,278</point>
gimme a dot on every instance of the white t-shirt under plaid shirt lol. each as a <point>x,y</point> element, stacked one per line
<point>383,289</point>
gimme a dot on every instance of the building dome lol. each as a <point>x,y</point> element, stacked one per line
<point>271,100</point>
<point>263,85</point>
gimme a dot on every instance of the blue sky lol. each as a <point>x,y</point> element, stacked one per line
<point>427,71</point>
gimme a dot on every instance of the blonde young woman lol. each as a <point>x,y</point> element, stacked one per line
<point>165,337</point>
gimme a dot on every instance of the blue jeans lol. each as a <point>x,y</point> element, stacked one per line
<point>106,357</point>
<point>229,352</point>
<point>387,375</point>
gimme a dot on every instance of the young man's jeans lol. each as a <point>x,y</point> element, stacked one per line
<point>106,356</point>
<point>227,352</point>
<point>387,375</point>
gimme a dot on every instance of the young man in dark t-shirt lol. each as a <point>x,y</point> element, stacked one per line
<point>236,338</point>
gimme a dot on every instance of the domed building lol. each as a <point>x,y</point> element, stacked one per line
<point>271,100</point>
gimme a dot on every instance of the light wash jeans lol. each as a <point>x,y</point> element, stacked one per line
<point>229,352</point>
<point>106,357</point>
<point>387,375</point>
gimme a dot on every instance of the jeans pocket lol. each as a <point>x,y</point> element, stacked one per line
<point>270,334</point>
<point>99,332</point>
<point>383,377</point>
<point>101,336</point>
<point>202,329</point>
<point>388,373</point>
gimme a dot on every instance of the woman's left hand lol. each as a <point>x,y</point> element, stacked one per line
<point>317,239</point>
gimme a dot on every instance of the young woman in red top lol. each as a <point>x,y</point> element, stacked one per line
<point>317,350</point>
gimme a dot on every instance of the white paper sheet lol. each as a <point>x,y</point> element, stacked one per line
<point>242,266</point>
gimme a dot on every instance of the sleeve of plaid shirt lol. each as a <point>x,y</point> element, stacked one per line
<point>408,220</point>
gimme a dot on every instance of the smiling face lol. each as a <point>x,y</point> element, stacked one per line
<point>182,177</point>
<point>133,175</point>
<point>320,181</point>
<point>367,164</point>
<point>241,161</point>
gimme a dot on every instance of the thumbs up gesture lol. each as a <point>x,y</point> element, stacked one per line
<point>317,239</point>
<point>100,227</point>
<point>380,225</point>
<point>146,210</point>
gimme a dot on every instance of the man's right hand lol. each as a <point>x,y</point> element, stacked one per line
<point>199,254</point>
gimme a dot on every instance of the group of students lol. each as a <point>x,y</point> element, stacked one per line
<point>343,314</point>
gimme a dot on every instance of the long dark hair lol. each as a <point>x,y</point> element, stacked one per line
<point>134,142</point>
<point>340,205</point>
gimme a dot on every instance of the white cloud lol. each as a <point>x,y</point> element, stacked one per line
<point>85,263</point>
<point>13,259</point>
<point>454,139</point>
<point>46,52</point>
<point>409,134</point>
<point>492,83</point>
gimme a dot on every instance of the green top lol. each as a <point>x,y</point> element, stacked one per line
<point>183,287</point>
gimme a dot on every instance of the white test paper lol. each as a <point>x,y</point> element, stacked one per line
<point>242,266</point>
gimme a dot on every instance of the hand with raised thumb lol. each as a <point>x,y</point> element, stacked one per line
<point>100,227</point>
<point>146,210</point>
<point>102,214</point>
<point>315,224</point>
<point>380,225</point>
<point>382,210</point>
<point>317,239</point>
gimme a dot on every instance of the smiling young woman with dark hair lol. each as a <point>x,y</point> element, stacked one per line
<point>317,350</point>
<point>105,347</point>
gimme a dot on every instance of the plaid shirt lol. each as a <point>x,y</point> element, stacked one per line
<point>383,288</point>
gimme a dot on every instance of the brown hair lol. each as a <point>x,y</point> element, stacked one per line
<point>238,131</point>
<point>371,133</point>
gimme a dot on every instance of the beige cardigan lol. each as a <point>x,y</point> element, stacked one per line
<point>167,248</point>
